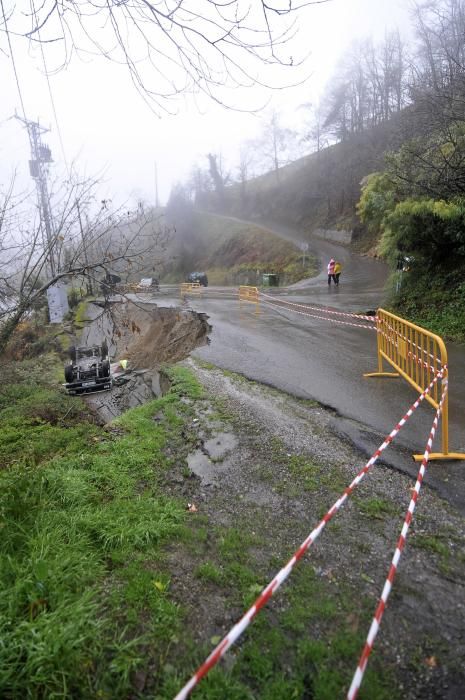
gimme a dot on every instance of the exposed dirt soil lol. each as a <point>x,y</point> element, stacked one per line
<point>271,466</point>
<point>147,336</point>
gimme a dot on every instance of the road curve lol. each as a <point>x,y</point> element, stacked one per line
<point>325,361</point>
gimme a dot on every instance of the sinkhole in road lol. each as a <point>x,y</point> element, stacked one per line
<point>147,337</point>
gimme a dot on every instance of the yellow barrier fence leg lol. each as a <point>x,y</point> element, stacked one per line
<point>445,454</point>
<point>380,372</point>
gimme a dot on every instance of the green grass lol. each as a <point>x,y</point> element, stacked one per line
<point>431,543</point>
<point>312,652</point>
<point>376,508</point>
<point>304,643</point>
<point>91,600</point>
<point>308,473</point>
<point>210,572</point>
<point>83,525</point>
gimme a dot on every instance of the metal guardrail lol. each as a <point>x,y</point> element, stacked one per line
<point>418,356</point>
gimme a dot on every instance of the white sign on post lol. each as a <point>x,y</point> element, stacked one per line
<point>57,303</point>
<point>303,247</point>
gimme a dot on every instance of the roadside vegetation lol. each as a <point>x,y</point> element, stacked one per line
<point>114,587</point>
<point>81,515</point>
<point>87,521</point>
<point>422,236</point>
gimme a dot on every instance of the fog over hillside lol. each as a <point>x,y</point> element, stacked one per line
<point>98,119</point>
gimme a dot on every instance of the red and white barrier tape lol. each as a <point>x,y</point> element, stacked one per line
<point>323,318</point>
<point>425,365</point>
<point>409,341</point>
<point>278,305</point>
<point>358,676</point>
<point>418,360</point>
<point>321,310</point>
<point>236,631</point>
<point>373,319</point>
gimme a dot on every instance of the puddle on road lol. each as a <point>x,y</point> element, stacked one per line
<point>201,465</point>
<point>219,446</point>
<point>209,462</point>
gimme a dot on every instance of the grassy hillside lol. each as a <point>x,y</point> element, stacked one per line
<point>231,252</point>
<point>320,190</point>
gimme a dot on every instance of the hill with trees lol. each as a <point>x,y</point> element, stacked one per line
<point>388,163</point>
<point>230,251</point>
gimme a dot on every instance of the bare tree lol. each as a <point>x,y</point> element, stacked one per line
<point>314,135</point>
<point>171,46</point>
<point>219,179</point>
<point>277,144</point>
<point>246,158</point>
<point>369,87</point>
<point>337,110</point>
<point>386,70</point>
<point>118,240</point>
<point>199,184</point>
<point>440,54</point>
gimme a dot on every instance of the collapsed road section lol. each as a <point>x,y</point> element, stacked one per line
<point>141,338</point>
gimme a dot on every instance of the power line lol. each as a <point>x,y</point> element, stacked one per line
<point>40,156</point>
<point>13,59</point>
<point>33,10</point>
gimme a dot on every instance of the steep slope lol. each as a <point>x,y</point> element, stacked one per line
<point>230,251</point>
<point>320,190</point>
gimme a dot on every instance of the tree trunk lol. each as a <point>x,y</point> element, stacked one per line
<point>8,327</point>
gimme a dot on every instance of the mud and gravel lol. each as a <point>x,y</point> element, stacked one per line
<point>147,334</point>
<point>251,442</point>
<point>270,465</point>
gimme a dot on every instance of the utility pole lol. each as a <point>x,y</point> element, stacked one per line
<point>41,155</point>
<point>156,186</point>
<point>84,248</point>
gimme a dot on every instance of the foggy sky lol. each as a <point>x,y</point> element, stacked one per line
<point>106,127</point>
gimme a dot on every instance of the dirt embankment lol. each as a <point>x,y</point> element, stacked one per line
<point>147,336</point>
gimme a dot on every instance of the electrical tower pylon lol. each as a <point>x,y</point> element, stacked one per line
<point>41,155</point>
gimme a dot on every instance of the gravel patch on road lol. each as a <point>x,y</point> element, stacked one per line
<point>281,467</point>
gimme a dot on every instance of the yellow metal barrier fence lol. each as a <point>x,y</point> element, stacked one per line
<point>250,294</point>
<point>190,288</point>
<point>418,356</point>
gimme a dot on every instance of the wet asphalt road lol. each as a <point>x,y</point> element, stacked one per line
<point>316,359</point>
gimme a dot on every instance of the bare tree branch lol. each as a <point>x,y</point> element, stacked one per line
<point>126,242</point>
<point>171,46</point>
